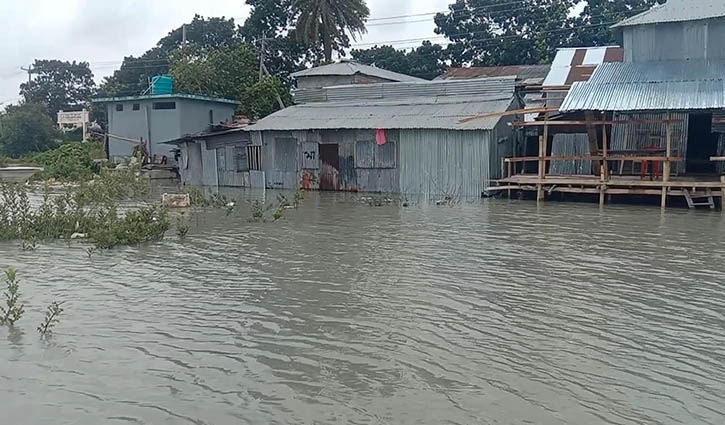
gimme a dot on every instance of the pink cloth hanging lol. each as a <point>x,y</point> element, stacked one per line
<point>381,137</point>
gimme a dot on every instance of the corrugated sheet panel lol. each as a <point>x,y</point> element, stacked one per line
<point>428,113</point>
<point>678,11</point>
<point>569,145</point>
<point>671,85</point>
<point>484,88</point>
<point>347,67</point>
<point>638,137</point>
<point>437,163</point>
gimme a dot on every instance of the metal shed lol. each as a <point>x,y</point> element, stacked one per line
<point>407,138</point>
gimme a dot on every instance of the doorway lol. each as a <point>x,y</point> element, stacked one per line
<point>330,170</point>
<point>701,145</point>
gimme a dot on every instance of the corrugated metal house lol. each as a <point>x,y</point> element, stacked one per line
<point>408,138</point>
<point>159,118</point>
<point>347,72</point>
<point>219,157</point>
<point>674,65</point>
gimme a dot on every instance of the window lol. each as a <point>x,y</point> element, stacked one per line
<point>211,116</point>
<point>136,107</point>
<point>368,154</point>
<point>240,159</point>
<point>254,158</point>
<point>365,154</point>
<point>385,155</point>
<point>119,107</point>
<point>285,154</point>
<point>163,106</point>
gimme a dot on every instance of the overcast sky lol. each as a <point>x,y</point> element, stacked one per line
<point>103,32</point>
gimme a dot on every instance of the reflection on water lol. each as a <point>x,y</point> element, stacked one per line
<point>492,312</point>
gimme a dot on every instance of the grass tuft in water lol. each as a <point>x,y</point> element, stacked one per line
<point>52,318</point>
<point>14,311</point>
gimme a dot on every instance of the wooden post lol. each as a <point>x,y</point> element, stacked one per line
<point>539,186</point>
<point>543,148</point>
<point>604,168</point>
<point>666,165</point>
<point>593,140</point>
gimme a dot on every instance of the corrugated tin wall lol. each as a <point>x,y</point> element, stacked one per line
<point>569,145</point>
<point>675,41</point>
<point>639,136</point>
<point>441,162</point>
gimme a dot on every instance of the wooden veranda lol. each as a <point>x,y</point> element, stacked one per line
<point>608,176</point>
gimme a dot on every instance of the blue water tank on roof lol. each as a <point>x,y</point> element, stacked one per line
<point>162,84</point>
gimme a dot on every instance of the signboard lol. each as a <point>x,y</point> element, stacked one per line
<point>76,119</point>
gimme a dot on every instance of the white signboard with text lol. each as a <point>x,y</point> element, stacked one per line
<point>73,120</point>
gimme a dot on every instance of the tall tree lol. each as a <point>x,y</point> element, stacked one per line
<point>330,21</point>
<point>593,25</point>
<point>502,32</point>
<point>27,128</point>
<point>232,73</point>
<point>284,53</point>
<point>426,61</point>
<point>59,85</point>
<point>135,73</point>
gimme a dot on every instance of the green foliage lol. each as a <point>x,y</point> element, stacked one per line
<point>258,209</point>
<point>51,318</point>
<point>599,15</point>
<point>113,185</point>
<point>134,228</point>
<point>260,99</point>
<point>427,61</point>
<point>330,22</point>
<point>197,199</point>
<point>495,32</point>
<point>89,210</point>
<point>224,72</point>
<point>26,128</point>
<point>59,85</point>
<point>14,311</point>
<point>136,72</point>
<point>182,226</point>
<point>69,162</point>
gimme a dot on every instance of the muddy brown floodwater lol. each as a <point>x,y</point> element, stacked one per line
<point>495,312</point>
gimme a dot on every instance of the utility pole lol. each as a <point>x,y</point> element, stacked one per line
<point>262,50</point>
<point>183,35</point>
<point>30,72</point>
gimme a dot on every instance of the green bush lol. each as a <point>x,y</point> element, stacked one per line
<point>69,162</point>
<point>27,128</point>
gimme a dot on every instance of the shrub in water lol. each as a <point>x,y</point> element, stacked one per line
<point>14,311</point>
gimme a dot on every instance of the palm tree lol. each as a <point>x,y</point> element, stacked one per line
<point>327,21</point>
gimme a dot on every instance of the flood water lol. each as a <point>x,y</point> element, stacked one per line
<point>495,312</point>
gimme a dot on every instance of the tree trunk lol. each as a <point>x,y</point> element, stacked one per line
<point>326,41</point>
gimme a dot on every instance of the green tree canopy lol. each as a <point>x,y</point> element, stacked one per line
<point>330,22</point>
<point>427,61</point>
<point>593,25</point>
<point>135,72</point>
<point>27,128</point>
<point>231,72</point>
<point>59,85</point>
<point>502,32</point>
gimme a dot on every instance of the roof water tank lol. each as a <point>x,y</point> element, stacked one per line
<point>162,84</point>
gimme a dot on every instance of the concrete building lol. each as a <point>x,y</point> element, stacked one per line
<point>159,118</point>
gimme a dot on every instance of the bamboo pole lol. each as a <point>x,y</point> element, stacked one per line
<point>666,166</point>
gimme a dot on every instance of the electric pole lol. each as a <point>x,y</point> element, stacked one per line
<point>30,72</point>
<point>183,35</point>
